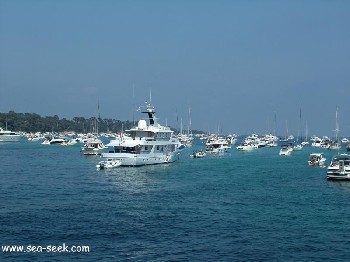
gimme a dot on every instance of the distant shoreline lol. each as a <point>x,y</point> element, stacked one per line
<point>33,122</point>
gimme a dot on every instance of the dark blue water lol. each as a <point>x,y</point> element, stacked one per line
<point>242,206</point>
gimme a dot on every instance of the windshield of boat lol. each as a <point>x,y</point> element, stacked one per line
<point>340,157</point>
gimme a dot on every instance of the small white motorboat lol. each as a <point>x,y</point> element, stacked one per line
<point>198,154</point>
<point>286,151</point>
<point>345,140</point>
<point>317,159</point>
<point>298,147</point>
<point>109,163</point>
<point>247,147</point>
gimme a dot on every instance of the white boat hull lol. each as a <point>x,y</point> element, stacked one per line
<point>339,169</point>
<point>217,150</point>
<point>91,151</point>
<point>286,152</point>
<point>338,175</point>
<point>127,159</point>
<point>246,147</point>
<point>108,164</point>
<point>10,138</point>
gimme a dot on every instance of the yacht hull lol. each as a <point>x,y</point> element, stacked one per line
<point>10,138</point>
<point>339,177</point>
<point>142,159</point>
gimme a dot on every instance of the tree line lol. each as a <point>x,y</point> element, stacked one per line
<point>32,122</point>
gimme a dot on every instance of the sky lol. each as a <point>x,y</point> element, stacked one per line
<point>238,66</point>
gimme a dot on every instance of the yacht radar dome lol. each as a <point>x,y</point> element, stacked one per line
<point>142,124</point>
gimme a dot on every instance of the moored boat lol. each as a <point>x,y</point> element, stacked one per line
<point>345,140</point>
<point>339,168</point>
<point>317,159</point>
<point>93,147</point>
<point>9,136</point>
<point>145,144</point>
<point>247,147</point>
<point>217,145</point>
<point>109,163</point>
<point>55,141</point>
<point>286,150</point>
<point>298,147</point>
<point>198,154</point>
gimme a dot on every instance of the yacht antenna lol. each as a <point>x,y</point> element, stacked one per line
<point>150,95</point>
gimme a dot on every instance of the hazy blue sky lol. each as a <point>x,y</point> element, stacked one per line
<point>237,64</point>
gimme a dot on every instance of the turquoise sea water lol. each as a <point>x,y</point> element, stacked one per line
<point>241,206</point>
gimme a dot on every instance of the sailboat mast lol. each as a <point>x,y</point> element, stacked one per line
<point>306,132</point>
<point>181,125</point>
<point>190,122</point>
<point>275,122</point>
<point>336,125</point>
<point>177,121</point>
<point>6,123</point>
<point>133,104</point>
<point>98,116</point>
<point>299,131</point>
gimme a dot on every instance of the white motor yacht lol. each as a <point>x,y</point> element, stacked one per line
<point>217,145</point>
<point>286,150</point>
<point>339,168</point>
<point>55,141</point>
<point>145,144</point>
<point>93,147</point>
<point>345,140</point>
<point>304,143</point>
<point>9,136</point>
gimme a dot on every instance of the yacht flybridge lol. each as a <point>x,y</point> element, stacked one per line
<point>145,144</point>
